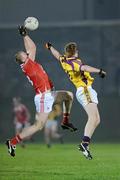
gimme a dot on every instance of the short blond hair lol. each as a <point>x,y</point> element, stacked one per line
<point>70,49</point>
<point>18,57</point>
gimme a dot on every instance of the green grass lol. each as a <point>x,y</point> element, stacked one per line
<point>61,162</point>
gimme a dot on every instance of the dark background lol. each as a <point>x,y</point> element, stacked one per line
<point>95,26</point>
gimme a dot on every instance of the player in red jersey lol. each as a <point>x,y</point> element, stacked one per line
<point>21,117</point>
<point>21,114</point>
<point>44,98</point>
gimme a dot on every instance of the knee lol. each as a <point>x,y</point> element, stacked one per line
<point>39,125</point>
<point>70,94</point>
<point>97,120</point>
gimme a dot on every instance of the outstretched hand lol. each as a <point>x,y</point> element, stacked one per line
<point>102,73</point>
<point>22,30</point>
<point>48,45</point>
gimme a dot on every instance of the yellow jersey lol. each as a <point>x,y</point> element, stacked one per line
<point>72,66</point>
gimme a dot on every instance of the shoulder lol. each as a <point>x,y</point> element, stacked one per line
<point>79,60</point>
<point>62,58</point>
<point>28,63</point>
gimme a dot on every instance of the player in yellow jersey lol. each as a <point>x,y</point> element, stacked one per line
<point>79,74</point>
<point>51,126</point>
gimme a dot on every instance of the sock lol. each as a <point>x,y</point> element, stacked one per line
<point>85,141</point>
<point>65,118</point>
<point>15,140</point>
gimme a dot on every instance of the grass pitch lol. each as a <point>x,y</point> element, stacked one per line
<point>61,162</point>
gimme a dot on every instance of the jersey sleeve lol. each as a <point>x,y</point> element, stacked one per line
<point>62,58</point>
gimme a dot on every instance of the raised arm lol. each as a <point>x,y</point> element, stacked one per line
<point>83,67</point>
<point>30,46</point>
<point>93,70</point>
<point>55,53</point>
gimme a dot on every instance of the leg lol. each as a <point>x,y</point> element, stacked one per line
<point>18,127</point>
<point>18,130</point>
<point>54,131</point>
<point>93,121</point>
<point>47,134</point>
<point>26,125</point>
<point>41,119</point>
<point>66,98</point>
<point>43,103</point>
<point>67,104</point>
<point>87,97</point>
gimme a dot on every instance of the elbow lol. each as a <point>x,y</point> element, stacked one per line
<point>83,67</point>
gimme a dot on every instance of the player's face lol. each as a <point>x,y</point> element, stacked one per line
<point>23,56</point>
<point>15,102</point>
<point>76,53</point>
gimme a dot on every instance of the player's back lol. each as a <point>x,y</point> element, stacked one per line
<point>72,67</point>
<point>37,76</point>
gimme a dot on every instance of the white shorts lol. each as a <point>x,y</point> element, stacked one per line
<point>50,123</point>
<point>43,102</point>
<point>86,95</point>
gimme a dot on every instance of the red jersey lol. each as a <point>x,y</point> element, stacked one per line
<point>21,114</point>
<point>37,76</point>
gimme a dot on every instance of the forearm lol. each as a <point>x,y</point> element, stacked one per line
<point>29,44</point>
<point>55,53</point>
<point>89,69</point>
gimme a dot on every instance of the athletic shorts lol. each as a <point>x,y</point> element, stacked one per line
<point>86,95</point>
<point>50,123</point>
<point>44,101</point>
